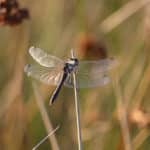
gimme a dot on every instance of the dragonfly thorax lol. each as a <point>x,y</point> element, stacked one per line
<point>70,65</point>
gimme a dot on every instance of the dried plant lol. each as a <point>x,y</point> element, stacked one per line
<point>113,117</point>
<point>11,14</point>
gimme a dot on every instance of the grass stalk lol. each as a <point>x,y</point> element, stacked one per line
<point>45,138</point>
<point>45,117</point>
<point>122,14</point>
<point>142,88</point>
<point>140,138</point>
<point>77,109</point>
<point>122,112</point>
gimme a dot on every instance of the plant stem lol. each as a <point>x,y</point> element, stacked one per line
<point>51,133</point>
<point>45,117</point>
<point>77,108</point>
<point>122,115</point>
<point>122,14</point>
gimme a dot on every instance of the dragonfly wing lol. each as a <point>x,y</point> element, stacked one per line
<point>45,59</point>
<point>87,80</point>
<point>96,67</point>
<point>50,76</point>
<point>92,73</point>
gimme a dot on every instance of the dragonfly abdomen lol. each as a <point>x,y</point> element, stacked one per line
<point>58,88</point>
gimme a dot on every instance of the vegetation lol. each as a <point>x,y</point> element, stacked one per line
<point>115,116</point>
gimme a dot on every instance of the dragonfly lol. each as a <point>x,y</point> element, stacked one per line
<point>55,71</point>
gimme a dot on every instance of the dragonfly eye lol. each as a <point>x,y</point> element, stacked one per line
<point>73,61</point>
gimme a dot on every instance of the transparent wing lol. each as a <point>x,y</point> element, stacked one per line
<point>92,73</point>
<point>50,76</point>
<point>96,67</point>
<point>45,59</point>
<point>88,80</point>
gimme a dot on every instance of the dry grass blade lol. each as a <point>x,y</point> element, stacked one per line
<point>122,113</point>
<point>14,84</point>
<point>67,37</point>
<point>141,88</point>
<point>140,138</point>
<point>122,14</point>
<point>46,120</point>
<point>51,133</point>
<point>14,125</point>
<point>133,81</point>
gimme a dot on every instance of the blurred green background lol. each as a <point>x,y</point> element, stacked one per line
<point>113,117</point>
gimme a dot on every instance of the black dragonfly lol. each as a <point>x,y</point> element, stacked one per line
<point>55,71</point>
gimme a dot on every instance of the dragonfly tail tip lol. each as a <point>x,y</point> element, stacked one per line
<point>50,103</point>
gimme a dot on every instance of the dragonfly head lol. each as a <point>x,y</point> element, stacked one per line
<point>71,65</point>
<point>73,61</point>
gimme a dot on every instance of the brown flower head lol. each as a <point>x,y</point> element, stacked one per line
<point>11,14</point>
<point>90,47</point>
